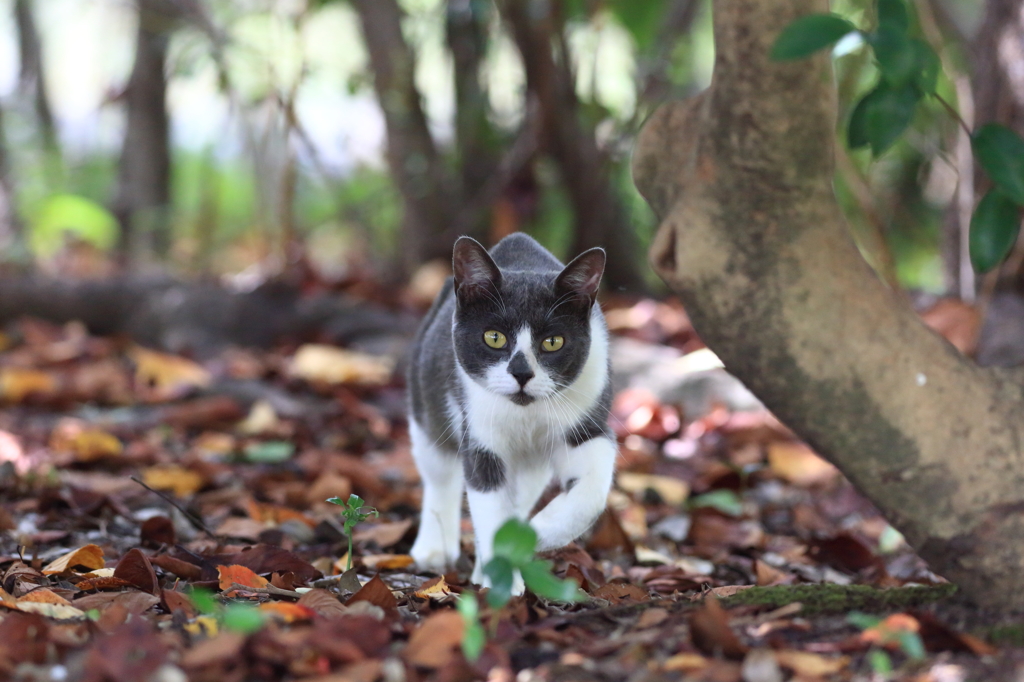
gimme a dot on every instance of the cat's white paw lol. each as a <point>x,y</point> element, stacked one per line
<point>431,557</point>
<point>478,577</point>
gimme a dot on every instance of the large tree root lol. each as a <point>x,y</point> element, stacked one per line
<point>753,241</point>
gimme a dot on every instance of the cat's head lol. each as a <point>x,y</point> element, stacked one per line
<point>523,333</point>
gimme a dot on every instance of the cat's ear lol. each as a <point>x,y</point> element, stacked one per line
<point>582,276</point>
<point>475,271</point>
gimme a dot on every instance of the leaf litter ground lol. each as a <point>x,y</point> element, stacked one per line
<point>168,520</point>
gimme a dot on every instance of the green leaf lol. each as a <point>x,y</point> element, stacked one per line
<point>204,600</point>
<point>243,618</point>
<point>70,214</point>
<point>269,452</point>
<point>725,501</point>
<point>994,228</point>
<point>516,541</point>
<point>643,20</point>
<point>893,14</point>
<point>881,116</point>
<point>896,55</point>
<point>912,645</point>
<point>880,661</point>
<point>1000,151</point>
<point>808,34</point>
<point>473,635</point>
<point>539,579</point>
<point>501,573</point>
<point>928,66</point>
<point>862,620</point>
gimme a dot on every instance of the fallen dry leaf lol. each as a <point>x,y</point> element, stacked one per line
<point>89,556</point>
<point>230,575</point>
<point>318,363</point>
<point>17,384</point>
<point>288,612</point>
<point>808,664</point>
<point>673,491</point>
<point>179,480</point>
<point>376,593</point>
<point>387,562</point>
<point>434,643</point>
<point>710,631</point>
<point>161,377</point>
<point>797,463</point>
<point>436,589</point>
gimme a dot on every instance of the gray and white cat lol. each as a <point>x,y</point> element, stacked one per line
<point>510,390</point>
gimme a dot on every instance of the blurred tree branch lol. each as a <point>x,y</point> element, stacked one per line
<point>600,217</point>
<point>31,73</point>
<point>427,188</point>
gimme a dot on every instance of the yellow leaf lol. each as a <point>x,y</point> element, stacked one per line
<point>438,590</point>
<point>685,661</point>
<point>58,611</point>
<point>89,556</point>
<point>43,596</point>
<point>163,377</point>
<point>93,444</point>
<point>262,418</point>
<point>387,562</point>
<point>673,491</point>
<point>16,384</point>
<point>327,364</point>
<point>811,665</point>
<point>202,626</point>
<point>183,482</point>
<point>797,463</point>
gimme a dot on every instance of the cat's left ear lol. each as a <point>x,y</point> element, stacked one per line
<point>583,275</point>
<point>475,271</point>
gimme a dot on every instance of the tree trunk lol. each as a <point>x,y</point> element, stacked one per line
<point>10,223</point>
<point>600,217</point>
<point>475,139</point>
<point>31,77</point>
<point>427,190</point>
<point>142,203</point>
<point>753,241</point>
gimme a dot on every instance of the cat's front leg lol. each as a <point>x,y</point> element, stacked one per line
<point>491,504</point>
<point>586,474</point>
<point>437,542</point>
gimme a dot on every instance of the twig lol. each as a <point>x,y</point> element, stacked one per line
<point>192,518</point>
<point>954,113</point>
<point>269,589</point>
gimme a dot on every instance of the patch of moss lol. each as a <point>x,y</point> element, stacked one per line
<point>841,598</point>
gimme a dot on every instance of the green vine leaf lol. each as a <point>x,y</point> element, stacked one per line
<point>500,571</point>
<point>994,228</point>
<point>893,14</point>
<point>808,34</point>
<point>881,117</point>
<point>1000,151</point>
<point>896,55</point>
<point>539,579</point>
<point>515,541</point>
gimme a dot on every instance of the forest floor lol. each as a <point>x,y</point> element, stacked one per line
<point>167,520</point>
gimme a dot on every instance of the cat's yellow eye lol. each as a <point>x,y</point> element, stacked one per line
<point>495,339</point>
<point>552,343</point>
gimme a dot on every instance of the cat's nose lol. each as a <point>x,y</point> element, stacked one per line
<point>519,368</point>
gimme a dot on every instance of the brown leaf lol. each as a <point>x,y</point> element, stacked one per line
<point>176,601</point>
<point>43,596</point>
<point>160,377</point>
<point>436,589</point>
<point>134,567</point>
<point>711,634</point>
<point>206,412</point>
<point>132,652</point>
<point>844,552</point>
<point>134,602</point>
<point>89,556</point>
<point>182,569</point>
<point>619,593</point>
<point>269,559</point>
<point>157,531</point>
<point>377,593</point>
<point>811,665</point>
<point>209,652</point>
<point>958,322</point>
<point>650,618</point>
<point>102,583</point>
<point>325,603</point>
<point>351,639</point>
<point>384,534</point>
<point>434,643</point>
<point>769,575</point>
<point>609,535</point>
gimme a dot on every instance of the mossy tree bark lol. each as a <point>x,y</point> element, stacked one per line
<point>753,241</point>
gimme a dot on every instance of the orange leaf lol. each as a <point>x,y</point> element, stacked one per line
<point>797,463</point>
<point>102,583</point>
<point>230,575</point>
<point>435,588</point>
<point>387,562</point>
<point>884,631</point>
<point>44,596</point>
<point>288,612</point>
<point>90,557</point>
<point>163,377</point>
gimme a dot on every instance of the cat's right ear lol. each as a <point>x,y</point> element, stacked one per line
<point>476,274</point>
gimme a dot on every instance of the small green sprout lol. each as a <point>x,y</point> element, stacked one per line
<point>514,546</point>
<point>473,635</point>
<point>242,618</point>
<point>353,513</point>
